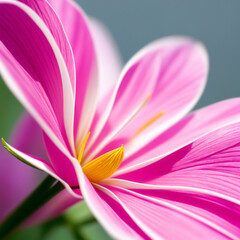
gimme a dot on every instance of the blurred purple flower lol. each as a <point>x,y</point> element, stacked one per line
<point>18,179</point>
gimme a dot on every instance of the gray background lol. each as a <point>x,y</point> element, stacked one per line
<point>135,23</point>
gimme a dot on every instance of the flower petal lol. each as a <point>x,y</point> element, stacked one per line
<point>201,178</point>
<point>43,166</point>
<point>162,218</point>
<point>39,77</point>
<point>189,129</point>
<point>116,223</point>
<point>209,166</point>
<point>78,31</point>
<point>109,65</point>
<point>48,15</point>
<point>172,71</point>
<point>61,163</point>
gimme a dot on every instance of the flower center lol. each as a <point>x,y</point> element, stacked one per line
<point>107,164</point>
<point>103,166</point>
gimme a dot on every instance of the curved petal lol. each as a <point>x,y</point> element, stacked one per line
<point>78,32</point>
<point>189,129</point>
<point>172,72</point>
<point>39,77</point>
<point>201,178</point>
<point>48,15</point>
<point>161,218</point>
<point>109,65</point>
<point>109,214</point>
<point>52,208</point>
<point>61,163</point>
<point>209,165</point>
<point>44,166</point>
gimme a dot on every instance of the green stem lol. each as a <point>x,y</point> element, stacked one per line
<point>31,204</point>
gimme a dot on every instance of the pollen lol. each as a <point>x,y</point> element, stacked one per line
<point>104,166</point>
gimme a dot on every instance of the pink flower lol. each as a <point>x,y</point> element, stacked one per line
<point>179,177</point>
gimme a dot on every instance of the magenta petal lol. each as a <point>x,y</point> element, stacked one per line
<point>200,182</point>
<point>78,32</point>
<point>172,72</point>
<point>18,179</point>
<point>48,15</point>
<point>109,214</point>
<point>109,65</point>
<point>61,163</point>
<point>165,216</point>
<point>46,167</point>
<point>29,47</point>
<point>209,165</point>
<point>192,127</point>
<point>40,108</point>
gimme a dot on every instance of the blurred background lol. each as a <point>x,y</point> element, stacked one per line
<point>137,22</point>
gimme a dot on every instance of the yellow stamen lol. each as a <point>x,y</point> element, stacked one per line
<point>148,123</point>
<point>104,166</point>
<point>82,148</point>
<point>145,100</point>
